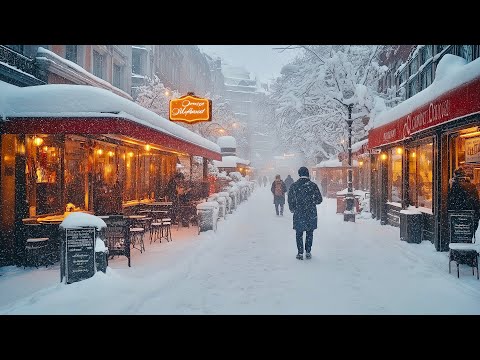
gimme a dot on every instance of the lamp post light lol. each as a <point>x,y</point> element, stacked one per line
<point>208,130</point>
<point>349,213</point>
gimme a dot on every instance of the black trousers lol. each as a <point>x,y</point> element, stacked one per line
<point>281,208</point>
<point>308,241</point>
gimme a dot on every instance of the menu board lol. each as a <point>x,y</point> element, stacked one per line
<point>461,226</point>
<point>80,254</point>
<point>472,150</point>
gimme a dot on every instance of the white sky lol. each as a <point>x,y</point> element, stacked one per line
<point>248,267</point>
<point>260,60</point>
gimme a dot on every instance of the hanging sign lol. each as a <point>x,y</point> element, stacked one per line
<point>190,109</point>
<point>472,150</point>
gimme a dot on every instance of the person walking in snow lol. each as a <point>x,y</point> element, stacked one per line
<point>463,195</point>
<point>288,182</point>
<point>265,180</point>
<point>303,198</point>
<point>278,189</point>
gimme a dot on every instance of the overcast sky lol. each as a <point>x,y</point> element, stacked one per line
<point>261,60</point>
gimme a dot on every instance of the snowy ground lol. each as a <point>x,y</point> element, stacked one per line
<point>248,267</point>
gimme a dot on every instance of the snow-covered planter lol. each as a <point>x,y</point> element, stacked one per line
<point>233,197</point>
<point>221,203</point>
<point>228,201</point>
<point>207,213</point>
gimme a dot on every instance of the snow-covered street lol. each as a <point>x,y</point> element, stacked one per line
<point>248,267</point>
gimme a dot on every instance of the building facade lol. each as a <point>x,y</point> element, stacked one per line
<point>411,68</point>
<point>417,145</point>
<point>18,67</point>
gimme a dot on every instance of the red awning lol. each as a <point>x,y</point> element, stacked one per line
<point>103,125</point>
<point>462,101</point>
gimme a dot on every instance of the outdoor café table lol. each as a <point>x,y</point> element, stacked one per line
<point>161,203</point>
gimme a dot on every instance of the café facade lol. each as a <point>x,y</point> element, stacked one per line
<point>416,146</point>
<point>81,148</point>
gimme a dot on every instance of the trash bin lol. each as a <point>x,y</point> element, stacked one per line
<point>411,225</point>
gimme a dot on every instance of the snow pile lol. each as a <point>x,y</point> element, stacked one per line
<point>100,245</point>
<point>227,142</point>
<point>448,66</point>
<point>80,219</point>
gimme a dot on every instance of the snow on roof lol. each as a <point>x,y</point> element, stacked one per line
<point>227,142</point>
<point>358,145</point>
<point>334,163</point>
<point>51,55</point>
<point>230,161</point>
<point>61,100</point>
<point>451,73</point>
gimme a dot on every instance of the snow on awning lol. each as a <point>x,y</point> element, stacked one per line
<point>334,163</point>
<point>82,109</point>
<point>454,93</point>
<point>230,162</point>
<point>359,148</point>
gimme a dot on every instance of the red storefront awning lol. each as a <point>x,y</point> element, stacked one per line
<point>459,102</point>
<point>81,109</point>
<point>103,125</point>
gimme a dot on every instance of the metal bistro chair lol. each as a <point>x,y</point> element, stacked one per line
<point>117,236</point>
<point>137,230</point>
<point>156,224</point>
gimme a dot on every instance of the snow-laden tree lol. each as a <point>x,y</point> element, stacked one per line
<point>155,96</point>
<point>313,94</point>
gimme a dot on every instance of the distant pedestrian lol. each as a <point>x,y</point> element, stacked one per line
<point>288,182</point>
<point>303,198</point>
<point>463,195</point>
<point>278,189</point>
<point>265,180</point>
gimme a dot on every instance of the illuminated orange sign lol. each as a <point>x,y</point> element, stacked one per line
<point>190,109</point>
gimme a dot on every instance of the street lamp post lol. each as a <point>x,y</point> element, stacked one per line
<point>349,213</point>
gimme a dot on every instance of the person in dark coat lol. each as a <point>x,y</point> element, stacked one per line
<point>278,189</point>
<point>463,195</point>
<point>172,195</point>
<point>303,198</point>
<point>288,182</point>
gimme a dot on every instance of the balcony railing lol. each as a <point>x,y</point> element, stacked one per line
<point>19,61</point>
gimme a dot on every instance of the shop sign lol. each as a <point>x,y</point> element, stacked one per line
<point>456,103</point>
<point>472,150</point>
<point>190,109</point>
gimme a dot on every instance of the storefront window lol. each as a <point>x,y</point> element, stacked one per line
<point>420,180</point>
<point>76,175</point>
<point>130,190</point>
<point>467,155</point>
<point>43,174</point>
<point>395,175</point>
